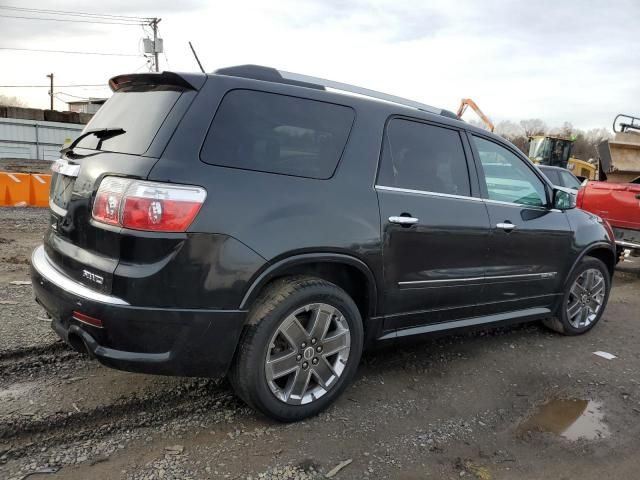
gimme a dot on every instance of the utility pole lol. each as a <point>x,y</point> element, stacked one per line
<point>154,25</point>
<point>50,76</point>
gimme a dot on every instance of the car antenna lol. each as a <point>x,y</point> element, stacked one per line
<point>193,50</point>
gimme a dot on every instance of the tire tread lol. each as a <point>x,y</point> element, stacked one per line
<point>273,295</point>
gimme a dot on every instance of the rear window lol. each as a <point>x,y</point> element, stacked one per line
<point>552,175</point>
<point>569,180</point>
<point>139,113</point>
<point>275,133</point>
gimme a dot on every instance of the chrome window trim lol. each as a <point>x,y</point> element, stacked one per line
<point>426,192</point>
<point>541,276</point>
<point>44,267</point>
<point>463,197</point>
<point>513,204</point>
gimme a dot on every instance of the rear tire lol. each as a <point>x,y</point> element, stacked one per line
<point>300,349</point>
<point>584,300</point>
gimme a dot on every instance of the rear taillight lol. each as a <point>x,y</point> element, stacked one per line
<point>143,205</point>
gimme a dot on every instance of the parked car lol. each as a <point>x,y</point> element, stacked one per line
<point>262,224</point>
<point>619,204</point>
<point>561,177</point>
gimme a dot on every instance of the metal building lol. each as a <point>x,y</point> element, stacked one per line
<point>91,105</point>
<point>34,139</point>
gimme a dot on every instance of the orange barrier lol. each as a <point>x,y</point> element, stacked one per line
<point>39,194</point>
<point>24,189</point>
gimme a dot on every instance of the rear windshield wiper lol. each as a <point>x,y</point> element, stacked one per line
<point>102,134</point>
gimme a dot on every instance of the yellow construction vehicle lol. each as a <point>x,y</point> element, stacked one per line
<point>555,151</point>
<point>467,102</point>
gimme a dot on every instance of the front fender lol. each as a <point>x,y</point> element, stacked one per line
<point>590,235</point>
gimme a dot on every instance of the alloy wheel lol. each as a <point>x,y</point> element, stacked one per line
<point>586,298</point>
<point>307,354</point>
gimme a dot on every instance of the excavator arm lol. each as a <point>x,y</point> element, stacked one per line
<point>467,102</point>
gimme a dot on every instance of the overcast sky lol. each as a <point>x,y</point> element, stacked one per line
<point>561,60</point>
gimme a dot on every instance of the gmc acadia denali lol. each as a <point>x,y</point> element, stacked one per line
<point>269,226</point>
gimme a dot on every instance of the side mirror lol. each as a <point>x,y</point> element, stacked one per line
<point>564,198</point>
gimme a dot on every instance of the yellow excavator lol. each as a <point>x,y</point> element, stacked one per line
<point>543,149</point>
<point>467,102</point>
<point>555,151</point>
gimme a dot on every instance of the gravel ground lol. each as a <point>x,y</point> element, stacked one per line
<point>23,326</point>
<point>443,407</point>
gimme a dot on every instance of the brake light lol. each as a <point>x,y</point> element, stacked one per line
<point>141,205</point>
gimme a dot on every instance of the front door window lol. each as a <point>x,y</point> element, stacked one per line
<point>507,177</point>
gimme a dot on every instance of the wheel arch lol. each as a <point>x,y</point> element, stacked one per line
<point>350,273</point>
<point>602,251</point>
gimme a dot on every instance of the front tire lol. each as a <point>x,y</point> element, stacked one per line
<point>584,300</point>
<point>300,350</point>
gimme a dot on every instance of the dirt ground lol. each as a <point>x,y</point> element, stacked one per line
<point>447,407</point>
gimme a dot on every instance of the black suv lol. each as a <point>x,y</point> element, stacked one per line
<point>261,224</point>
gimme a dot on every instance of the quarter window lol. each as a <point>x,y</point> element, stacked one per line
<point>277,134</point>
<point>507,177</point>
<point>419,156</point>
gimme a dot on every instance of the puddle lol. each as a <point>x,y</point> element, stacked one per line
<point>572,419</point>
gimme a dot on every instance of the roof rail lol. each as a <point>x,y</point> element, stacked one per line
<point>280,76</point>
<point>345,87</point>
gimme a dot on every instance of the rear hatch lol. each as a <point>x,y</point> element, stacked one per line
<point>124,138</point>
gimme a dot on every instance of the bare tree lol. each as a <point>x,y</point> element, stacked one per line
<point>565,131</point>
<point>6,101</point>
<point>514,133</point>
<point>533,126</point>
<point>597,135</point>
<point>509,130</point>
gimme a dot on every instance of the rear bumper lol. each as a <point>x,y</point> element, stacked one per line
<point>625,244</point>
<point>186,342</point>
<point>626,238</point>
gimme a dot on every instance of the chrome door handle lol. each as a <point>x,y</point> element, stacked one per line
<point>403,220</point>
<point>506,226</point>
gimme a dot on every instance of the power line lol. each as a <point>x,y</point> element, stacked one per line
<point>72,52</point>
<point>68,20</point>
<point>74,96</point>
<point>75,13</point>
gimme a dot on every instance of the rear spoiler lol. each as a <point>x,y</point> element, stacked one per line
<point>186,81</point>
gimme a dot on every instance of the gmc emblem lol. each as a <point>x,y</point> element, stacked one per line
<point>93,277</point>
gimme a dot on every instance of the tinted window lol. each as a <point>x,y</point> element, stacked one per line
<point>569,180</point>
<point>552,175</point>
<point>507,177</point>
<point>424,157</point>
<point>277,134</point>
<point>139,113</point>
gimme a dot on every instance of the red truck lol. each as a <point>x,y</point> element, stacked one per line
<point>619,204</point>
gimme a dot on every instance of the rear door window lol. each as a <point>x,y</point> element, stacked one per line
<point>420,156</point>
<point>140,113</point>
<point>275,133</point>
